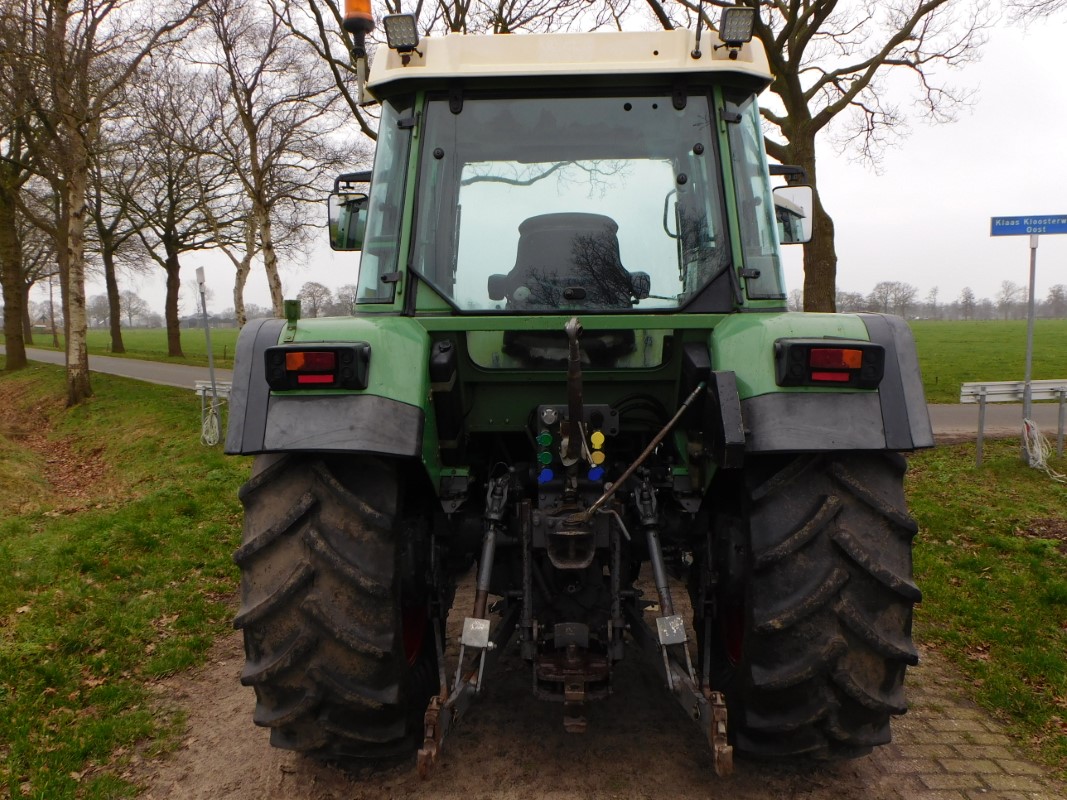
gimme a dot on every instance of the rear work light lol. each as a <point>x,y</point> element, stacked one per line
<point>344,366</point>
<point>828,362</point>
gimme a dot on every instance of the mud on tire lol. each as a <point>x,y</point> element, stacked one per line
<point>321,608</point>
<point>827,606</point>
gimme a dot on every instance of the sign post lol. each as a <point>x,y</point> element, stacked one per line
<point>209,433</point>
<point>1033,227</point>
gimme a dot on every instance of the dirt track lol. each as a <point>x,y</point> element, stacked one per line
<point>511,746</point>
<point>639,745</point>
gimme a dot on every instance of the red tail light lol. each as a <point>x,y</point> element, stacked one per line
<point>828,362</point>
<point>318,367</point>
<point>317,379</point>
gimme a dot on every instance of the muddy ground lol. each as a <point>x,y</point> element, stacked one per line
<point>639,744</point>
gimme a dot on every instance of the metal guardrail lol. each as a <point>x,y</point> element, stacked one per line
<point>982,392</point>
<point>1011,391</point>
<point>203,388</point>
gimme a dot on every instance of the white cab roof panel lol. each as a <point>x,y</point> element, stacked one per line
<point>532,55</point>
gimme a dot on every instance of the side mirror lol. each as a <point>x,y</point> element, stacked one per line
<point>348,220</point>
<point>641,284</point>
<point>792,209</point>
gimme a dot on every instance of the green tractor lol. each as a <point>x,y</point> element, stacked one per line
<point>569,357</point>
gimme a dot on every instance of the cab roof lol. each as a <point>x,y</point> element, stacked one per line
<point>530,56</point>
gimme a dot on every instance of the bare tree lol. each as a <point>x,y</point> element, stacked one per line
<point>904,295</point>
<point>18,128</point>
<point>54,313</point>
<point>851,301</point>
<point>44,212</point>
<point>1009,296</point>
<point>345,298</point>
<point>1033,10</point>
<point>314,297</point>
<point>187,198</point>
<point>831,61</point>
<point>98,310</point>
<point>967,303</point>
<point>115,174</point>
<point>932,309</point>
<point>133,306</point>
<point>318,24</point>
<point>796,300</point>
<point>279,130</point>
<point>241,256</point>
<point>38,265</point>
<point>881,297</point>
<point>12,272</point>
<point>1057,300</point>
<point>831,66</point>
<point>79,57</point>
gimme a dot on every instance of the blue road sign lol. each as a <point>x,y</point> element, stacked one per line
<point>1027,226</point>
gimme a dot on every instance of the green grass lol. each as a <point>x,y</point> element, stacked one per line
<point>991,559</point>
<point>120,577</point>
<point>951,353</point>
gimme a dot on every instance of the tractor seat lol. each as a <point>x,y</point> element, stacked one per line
<point>565,260</point>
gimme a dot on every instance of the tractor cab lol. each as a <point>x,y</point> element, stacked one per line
<point>634,182</point>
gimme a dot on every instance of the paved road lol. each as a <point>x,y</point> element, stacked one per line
<point>1001,419</point>
<point>150,371</point>
<point>949,421</point>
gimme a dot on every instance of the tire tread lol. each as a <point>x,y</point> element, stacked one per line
<point>830,598</point>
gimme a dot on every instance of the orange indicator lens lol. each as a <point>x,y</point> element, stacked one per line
<point>835,358</point>
<point>359,21</point>
<point>313,361</point>
<point>358,8</point>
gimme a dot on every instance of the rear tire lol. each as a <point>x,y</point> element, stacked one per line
<point>824,607</point>
<point>321,608</point>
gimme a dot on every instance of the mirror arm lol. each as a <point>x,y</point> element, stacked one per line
<point>791,173</point>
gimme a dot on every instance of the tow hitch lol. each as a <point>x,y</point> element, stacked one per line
<point>569,669</point>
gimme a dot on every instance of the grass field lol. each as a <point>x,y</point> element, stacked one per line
<point>151,344</point>
<point>950,353</point>
<point>116,528</point>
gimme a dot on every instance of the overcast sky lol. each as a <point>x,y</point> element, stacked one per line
<point>922,218</point>
<point>925,219</point>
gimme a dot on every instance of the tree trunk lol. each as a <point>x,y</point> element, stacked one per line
<point>244,267</point>
<point>820,254</point>
<point>174,334</point>
<point>820,263</point>
<point>15,308</point>
<point>62,237</point>
<point>78,387</point>
<point>27,323</point>
<point>270,260</point>
<point>113,304</point>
